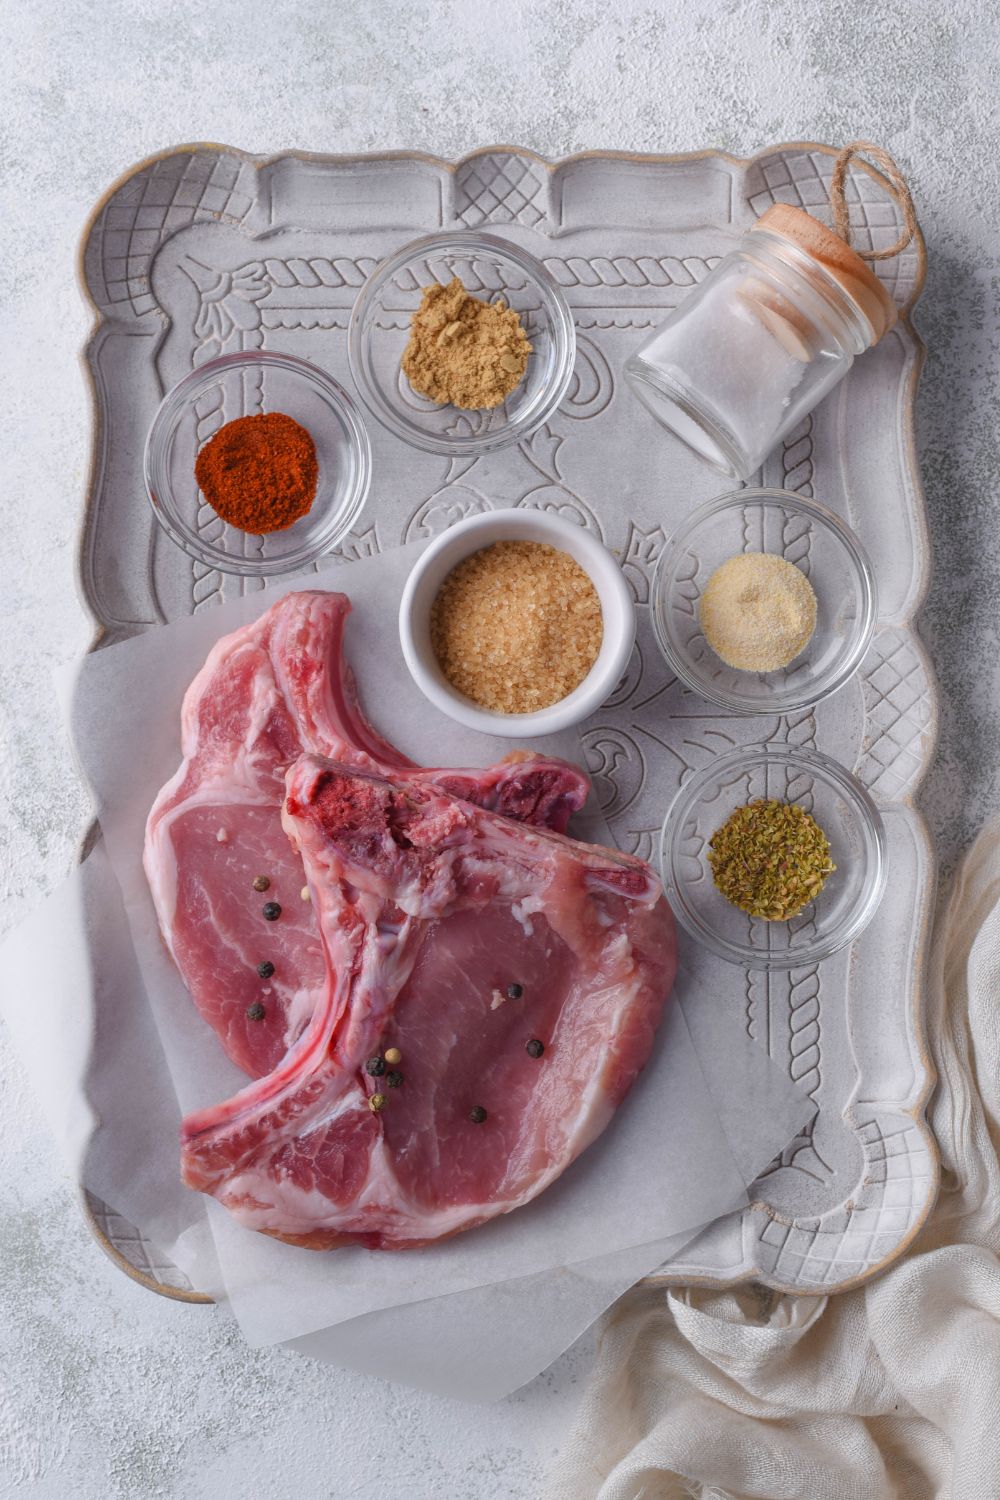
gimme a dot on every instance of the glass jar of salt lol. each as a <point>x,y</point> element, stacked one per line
<point>761,341</point>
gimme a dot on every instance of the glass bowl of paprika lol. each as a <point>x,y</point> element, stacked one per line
<point>282,457</point>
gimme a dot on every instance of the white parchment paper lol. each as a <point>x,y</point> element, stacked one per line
<point>74,1001</point>
<point>664,1168</point>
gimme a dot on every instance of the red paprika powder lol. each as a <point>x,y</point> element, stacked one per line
<point>259,473</point>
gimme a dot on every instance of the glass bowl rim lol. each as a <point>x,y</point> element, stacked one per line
<point>787,702</point>
<point>854,794</point>
<point>560,317</point>
<point>164,422</point>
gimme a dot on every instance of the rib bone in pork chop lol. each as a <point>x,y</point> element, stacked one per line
<point>267,693</point>
<point>456,936</point>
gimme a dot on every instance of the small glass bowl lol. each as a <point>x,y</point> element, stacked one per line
<point>489,268</point>
<point>841,807</point>
<point>808,535</point>
<point>238,385</point>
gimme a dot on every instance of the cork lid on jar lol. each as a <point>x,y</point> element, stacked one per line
<point>837,259</point>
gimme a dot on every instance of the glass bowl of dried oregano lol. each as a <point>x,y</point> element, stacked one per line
<point>773,857</point>
<point>461,343</point>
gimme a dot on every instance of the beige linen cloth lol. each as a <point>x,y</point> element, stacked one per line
<point>892,1390</point>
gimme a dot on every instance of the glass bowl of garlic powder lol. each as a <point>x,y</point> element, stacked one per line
<point>461,343</point>
<point>764,602</point>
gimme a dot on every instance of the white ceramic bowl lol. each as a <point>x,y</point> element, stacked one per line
<point>479,531</point>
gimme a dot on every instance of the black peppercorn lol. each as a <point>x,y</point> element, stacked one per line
<point>272,911</point>
<point>265,969</point>
<point>515,991</point>
<point>393,1080</point>
<point>375,1066</point>
<point>255,1012</point>
<point>477,1114</point>
<point>535,1048</point>
<point>260,882</point>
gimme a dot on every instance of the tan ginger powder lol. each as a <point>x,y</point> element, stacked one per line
<point>462,351</point>
<point>516,626</point>
<point>758,612</point>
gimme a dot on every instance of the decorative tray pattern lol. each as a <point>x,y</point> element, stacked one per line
<point>204,251</point>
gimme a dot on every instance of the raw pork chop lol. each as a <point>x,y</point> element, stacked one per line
<point>267,693</point>
<point>457,936</point>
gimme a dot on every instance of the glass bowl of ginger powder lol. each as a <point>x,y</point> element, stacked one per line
<point>505,351</point>
<point>516,623</point>
<point>764,602</point>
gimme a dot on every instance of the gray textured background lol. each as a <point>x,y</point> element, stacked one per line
<point>106,1390</point>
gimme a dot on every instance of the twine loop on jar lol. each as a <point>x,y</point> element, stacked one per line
<point>838,202</point>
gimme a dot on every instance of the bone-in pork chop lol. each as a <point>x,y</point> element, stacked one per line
<point>267,693</point>
<point>457,937</point>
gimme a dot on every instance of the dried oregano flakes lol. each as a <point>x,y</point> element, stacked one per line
<point>770,859</point>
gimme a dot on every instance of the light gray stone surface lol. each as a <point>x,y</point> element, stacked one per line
<point>107,1390</point>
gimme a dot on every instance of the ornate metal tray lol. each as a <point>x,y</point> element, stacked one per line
<point>205,250</point>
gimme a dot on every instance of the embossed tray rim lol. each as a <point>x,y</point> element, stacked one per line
<point>89,593</point>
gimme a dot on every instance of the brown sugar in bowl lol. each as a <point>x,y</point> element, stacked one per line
<point>516,626</point>
<point>474,535</point>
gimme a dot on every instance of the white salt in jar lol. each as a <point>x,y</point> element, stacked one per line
<point>762,340</point>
